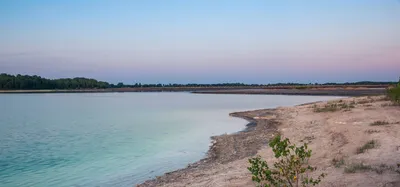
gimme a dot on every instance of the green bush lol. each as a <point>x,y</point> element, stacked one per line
<point>394,93</point>
<point>291,169</point>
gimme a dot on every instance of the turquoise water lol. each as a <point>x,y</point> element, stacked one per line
<point>113,139</point>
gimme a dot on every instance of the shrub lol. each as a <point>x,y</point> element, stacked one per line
<point>394,93</point>
<point>369,145</point>
<point>291,169</point>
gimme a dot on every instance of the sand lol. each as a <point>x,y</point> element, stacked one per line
<point>331,135</point>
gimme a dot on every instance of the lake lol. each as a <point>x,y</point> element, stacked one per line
<point>114,139</point>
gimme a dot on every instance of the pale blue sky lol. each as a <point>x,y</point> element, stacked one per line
<point>204,41</point>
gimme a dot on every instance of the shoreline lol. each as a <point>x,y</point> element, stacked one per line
<point>332,134</point>
<point>227,148</point>
<point>335,91</point>
<point>314,92</point>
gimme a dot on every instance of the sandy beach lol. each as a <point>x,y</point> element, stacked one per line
<point>335,131</point>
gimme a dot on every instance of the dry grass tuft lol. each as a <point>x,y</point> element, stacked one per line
<point>353,168</point>
<point>369,145</point>
<point>360,167</point>
<point>379,123</point>
<point>371,131</point>
<point>333,107</point>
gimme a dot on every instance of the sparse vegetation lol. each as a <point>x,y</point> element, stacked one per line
<point>379,123</point>
<point>369,145</point>
<point>371,131</point>
<point>308,139</point>
<point>338,162</point>
<point>365,101</point>
<point>326,108</point>
<point>390,104</point>
<point>382,168</point>
<point>361,167</point>
<point>302,87</point>
<point>333,107</point>
<point>291,169</point>
<point>353,168</point>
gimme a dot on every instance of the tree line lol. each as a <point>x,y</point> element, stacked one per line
<point>27,82</point>
<point>139,85</point>
<point>34,82</point>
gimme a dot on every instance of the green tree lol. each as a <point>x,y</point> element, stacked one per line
<point>120,85</point>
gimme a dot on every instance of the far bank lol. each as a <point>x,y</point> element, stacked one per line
<point>329,91</point>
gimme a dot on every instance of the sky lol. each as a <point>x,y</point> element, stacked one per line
<point>202,41</point>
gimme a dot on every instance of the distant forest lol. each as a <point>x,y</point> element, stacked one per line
<point>27,82</point>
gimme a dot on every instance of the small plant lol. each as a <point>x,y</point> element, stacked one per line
<point>327,108</point>
<point>379,123</point>
<point>308,139</point>
<point>346,107</point>
<point>337,162</point>
<point>369,145</point>
<point>290,170</point>
<point>371,131</point>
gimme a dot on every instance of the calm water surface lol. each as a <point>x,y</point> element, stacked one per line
<point>114,139</point>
